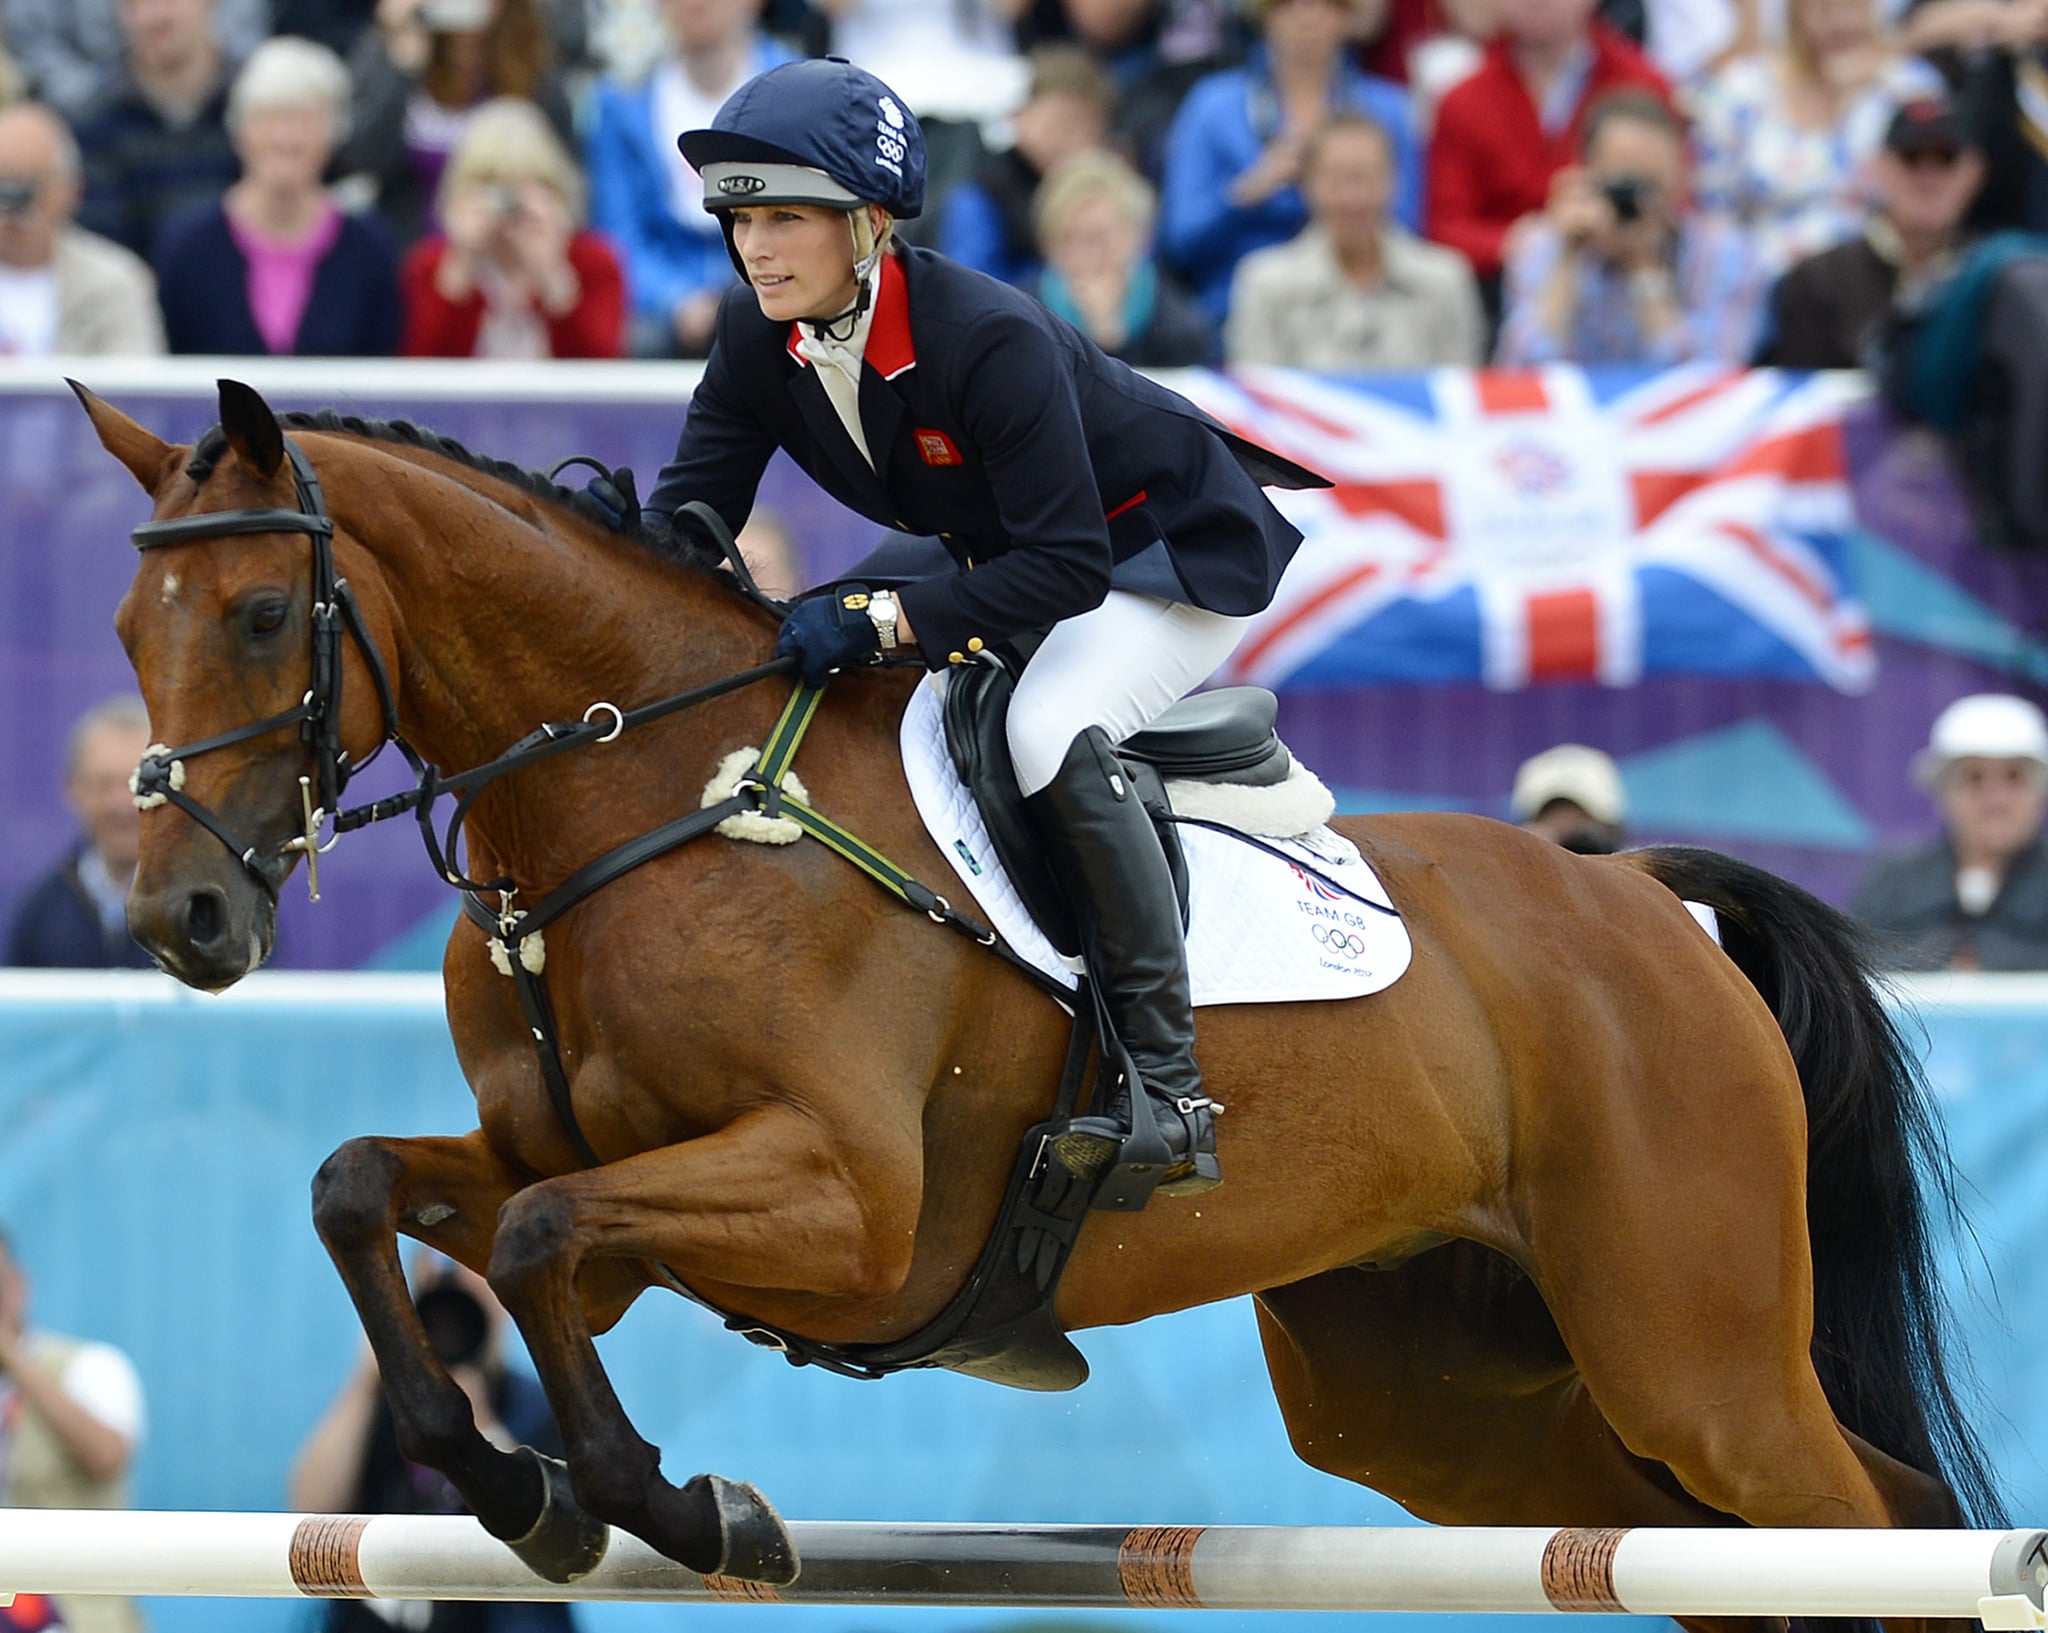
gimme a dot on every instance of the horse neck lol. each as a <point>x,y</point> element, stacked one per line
<point>532,616</point>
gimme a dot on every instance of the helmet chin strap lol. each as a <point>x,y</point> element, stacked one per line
<point>867,256</point>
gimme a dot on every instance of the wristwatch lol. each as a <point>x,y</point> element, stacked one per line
<point>882,610</point>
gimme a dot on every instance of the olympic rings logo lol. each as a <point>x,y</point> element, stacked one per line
<point>1340,941</point>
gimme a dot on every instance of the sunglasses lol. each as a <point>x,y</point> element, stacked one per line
<point>1938,158</point>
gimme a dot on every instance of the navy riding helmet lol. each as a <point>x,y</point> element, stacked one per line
<point>820,131</point>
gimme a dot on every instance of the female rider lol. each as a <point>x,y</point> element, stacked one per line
<point>1076,498</point>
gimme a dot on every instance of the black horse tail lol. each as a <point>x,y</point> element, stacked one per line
<point>1876,1160</point>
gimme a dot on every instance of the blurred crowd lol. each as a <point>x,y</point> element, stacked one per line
<point>1338,184</point>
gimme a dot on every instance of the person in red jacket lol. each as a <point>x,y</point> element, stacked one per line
<point>512,273</point>
<point>1503,134</point>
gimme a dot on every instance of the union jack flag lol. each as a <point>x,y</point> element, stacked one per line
<point>1556,525</point>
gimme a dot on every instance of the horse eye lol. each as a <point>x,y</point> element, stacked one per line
<point>267,616</point>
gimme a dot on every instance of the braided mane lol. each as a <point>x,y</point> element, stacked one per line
<point>681,545</point>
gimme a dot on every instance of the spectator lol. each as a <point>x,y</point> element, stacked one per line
<point>62,289</point>
<point>643,194</point>
<point>76,915</point>
<point>1354,290</point>
<point>275,267</point>
<point>1783,137</point>
<point>71,1416</point>
<point>1233,156</point>
<point>514,275</point>
<point>1991,53</point>
<point>72,49</point>
<point>1977,898</point>
<point>1503,135</point>
<point>1573,796</point>
<point>1830,310</point>
<point>986,221</point>
<point>350,1462</point>
<point>421,74</point>
<point>1615,272</point>
<point>156,141</point>
<point>1095,226</point>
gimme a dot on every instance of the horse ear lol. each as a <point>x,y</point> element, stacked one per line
<point>251,428</point>
<point>142,451</point>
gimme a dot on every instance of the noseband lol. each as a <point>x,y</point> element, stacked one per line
<point>160,778</point>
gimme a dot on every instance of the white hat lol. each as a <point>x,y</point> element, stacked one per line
<point>1986,725</point>
<point>1571,771</point>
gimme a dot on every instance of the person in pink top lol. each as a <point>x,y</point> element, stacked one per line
<point>1503,135</point>
<point>513,273</point>
<point>274,266</point>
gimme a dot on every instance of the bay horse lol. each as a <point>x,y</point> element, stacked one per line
<point>1586,1221</point>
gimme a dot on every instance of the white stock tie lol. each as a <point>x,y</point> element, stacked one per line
<point>838,364</point>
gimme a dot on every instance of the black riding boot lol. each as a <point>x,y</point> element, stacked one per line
<point>1108,860</point>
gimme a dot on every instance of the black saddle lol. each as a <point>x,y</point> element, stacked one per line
<point>1222,736</point>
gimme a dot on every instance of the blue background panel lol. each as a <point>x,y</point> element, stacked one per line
<point>154,1175</point>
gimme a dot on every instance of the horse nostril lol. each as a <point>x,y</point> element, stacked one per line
<point>205,918</point>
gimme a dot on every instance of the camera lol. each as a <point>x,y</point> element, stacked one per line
<point>457,1327</point>
<point>1626,196</point>
<point>503,200</point>
<point>17,195</point>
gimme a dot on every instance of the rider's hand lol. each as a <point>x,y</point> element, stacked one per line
<point>827,632</point>
<point>616,497</point>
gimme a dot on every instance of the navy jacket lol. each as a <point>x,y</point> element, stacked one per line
<point>1039,462</point>
<point>56,926</point>
<point>203,285</point>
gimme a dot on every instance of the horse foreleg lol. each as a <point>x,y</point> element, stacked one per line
<point>764,1203</point>
<point>447,1193</point>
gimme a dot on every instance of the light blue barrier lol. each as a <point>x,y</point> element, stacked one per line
<point>154,1171</point>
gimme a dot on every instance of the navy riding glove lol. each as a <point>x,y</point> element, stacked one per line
<point>827,632</point>
<point>616,497</point>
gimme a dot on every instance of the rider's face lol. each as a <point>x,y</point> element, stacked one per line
<point>799,258</point>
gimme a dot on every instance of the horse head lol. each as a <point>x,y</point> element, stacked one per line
<point>218,623</point>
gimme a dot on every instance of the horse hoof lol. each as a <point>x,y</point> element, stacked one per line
<point>753,1543</point>
<point>564,1544</point>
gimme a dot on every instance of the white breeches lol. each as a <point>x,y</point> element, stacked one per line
<point>1118,667</point>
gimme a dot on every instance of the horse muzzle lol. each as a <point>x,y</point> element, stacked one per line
<point>208,929</point>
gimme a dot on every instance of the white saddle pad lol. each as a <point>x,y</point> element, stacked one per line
<point>1261,929</point>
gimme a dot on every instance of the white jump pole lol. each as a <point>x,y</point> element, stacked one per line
<point>1998,1576</point>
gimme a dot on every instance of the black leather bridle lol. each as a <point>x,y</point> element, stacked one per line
<point>161,775</point>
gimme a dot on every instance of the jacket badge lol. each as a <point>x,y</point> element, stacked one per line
<point>936,448</point>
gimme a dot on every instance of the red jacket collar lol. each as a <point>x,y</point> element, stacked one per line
<point>889,347</point>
